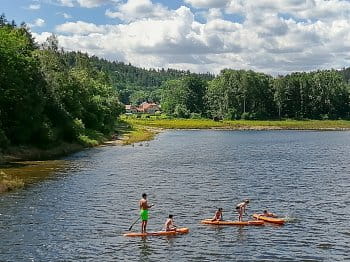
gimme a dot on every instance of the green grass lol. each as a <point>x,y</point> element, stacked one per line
<point>133,133</point>
<point>138,134</point>
<point>242,124</point>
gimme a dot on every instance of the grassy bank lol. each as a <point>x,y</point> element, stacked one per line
<point>133,133</point>
<point>21,165</point>
<point>242,124</point>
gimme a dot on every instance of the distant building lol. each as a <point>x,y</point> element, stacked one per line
<point>149,108</point>
<point>145,107</point>
<point>130,109</point>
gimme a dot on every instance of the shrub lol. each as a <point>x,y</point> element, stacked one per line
<point>4,142</point>
<point>195,116</point>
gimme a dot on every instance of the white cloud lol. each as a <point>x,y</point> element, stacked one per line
<point>213,13</point>
<point>81,28</point>
<point>34,6</point>
<point>93,3</point>
<point>138,9</point>
<point>68,3</point>
<point>67,16</point>
<point>300,9</point>
<point>276,36</point>
<point>37,23</point>
<point>208,3</point>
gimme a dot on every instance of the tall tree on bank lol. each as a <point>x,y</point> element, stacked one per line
<point>314,95</point>
<point>184,96</point>
<point>44,101</point>
<point>238,94</point>
<point>21,86</point>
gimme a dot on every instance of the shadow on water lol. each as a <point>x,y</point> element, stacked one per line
<point>34,171</point>
<point>12,165</point>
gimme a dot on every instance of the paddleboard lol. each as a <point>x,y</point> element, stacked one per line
<point>179,231</point>
<point>274,220</point>
<point>233,223</point>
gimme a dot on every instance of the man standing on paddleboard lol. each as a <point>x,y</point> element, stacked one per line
<point>241,207</point>
<point>144,212</point>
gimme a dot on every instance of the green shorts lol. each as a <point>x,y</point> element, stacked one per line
<point>144,214</point>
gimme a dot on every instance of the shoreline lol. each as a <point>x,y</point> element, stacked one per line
<point>16,155</point>
<point>198,124</point>
<point>133,131</point>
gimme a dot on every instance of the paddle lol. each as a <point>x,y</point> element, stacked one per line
<point>134,223</point>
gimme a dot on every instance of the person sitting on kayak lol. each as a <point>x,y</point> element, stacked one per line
<point>268,214</point>
<point>143,204</point>
<point>169,224</point>
<point>218,215</point>
<point>241,207</point>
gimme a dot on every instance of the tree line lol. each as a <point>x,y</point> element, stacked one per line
<point>240,94</point>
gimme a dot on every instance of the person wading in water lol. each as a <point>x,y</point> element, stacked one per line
<point>143,204</point>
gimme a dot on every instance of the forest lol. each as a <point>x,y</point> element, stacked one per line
<point>49,95</point>
<point>45,101</point>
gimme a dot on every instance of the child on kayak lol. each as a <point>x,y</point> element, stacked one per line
<point>169,224</point>
<point>241,207</point>
<point>218,215</point>
<point>143,204</point>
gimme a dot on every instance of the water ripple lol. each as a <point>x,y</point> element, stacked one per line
<point>81,213</point>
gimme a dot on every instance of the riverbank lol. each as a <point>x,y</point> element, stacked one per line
<point>132,133</point>
<point>15,159</point>
<point>322,125</point>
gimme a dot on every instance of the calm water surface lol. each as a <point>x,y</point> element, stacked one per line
<point>81,211</point>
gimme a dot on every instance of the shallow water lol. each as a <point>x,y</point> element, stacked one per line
<point>81,211</point>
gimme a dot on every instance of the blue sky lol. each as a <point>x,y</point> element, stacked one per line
<point>272,36</point>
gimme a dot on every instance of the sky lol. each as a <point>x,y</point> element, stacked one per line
<point>270,36</point>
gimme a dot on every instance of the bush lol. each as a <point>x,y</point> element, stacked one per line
<point>232,114</point>
<point>46,135</point>
<point>246,116</point>
<point>87,141</point>
<point>4,141</point>
<point>181,111</point>
<point>195,116</point>
<point>78,127</point>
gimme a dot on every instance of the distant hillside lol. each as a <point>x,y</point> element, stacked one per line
<point>128,79</point>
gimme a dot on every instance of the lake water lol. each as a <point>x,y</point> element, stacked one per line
<point>81,210</point>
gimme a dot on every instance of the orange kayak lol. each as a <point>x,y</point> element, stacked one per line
<point>179,231</point>
<point>233,223</point>
<point>274,220</point>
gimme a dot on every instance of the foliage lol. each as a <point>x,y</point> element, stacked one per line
<point>238,93</point>
<point>314,95</point>
<point>134,85</point>
<point>183,96</point>
<point>45,100</point>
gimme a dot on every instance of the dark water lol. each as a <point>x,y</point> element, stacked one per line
<point>80,212</point>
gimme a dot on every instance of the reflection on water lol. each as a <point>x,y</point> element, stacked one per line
<point>145,250</point>
<point>86,201</point>
<point>33,171</point>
